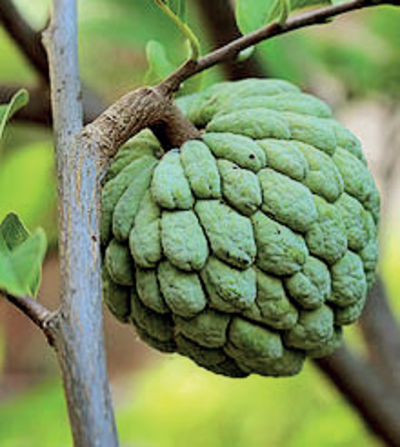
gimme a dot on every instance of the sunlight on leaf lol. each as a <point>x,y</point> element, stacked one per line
<point>159,64</point>
<point>21,257</point>
<point>28,186</point>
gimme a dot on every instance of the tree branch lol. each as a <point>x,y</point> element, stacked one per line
<point>79,337</point>
<point>377,401</point>
<point>30,43</point>
<point>381,333</point>
<point>36,312</point>
<point>231,50</point>
<point>28,40</point>
<point>219,17</point>
<point>137,110</point>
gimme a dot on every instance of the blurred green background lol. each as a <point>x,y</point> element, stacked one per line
<point>354,64</point>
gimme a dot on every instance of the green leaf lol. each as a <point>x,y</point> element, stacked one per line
<point>246,54</point>
<point>253,14</point>
<point>282,8</point>
<point>19,100</point>
<point>21,257</point>
<point>159,64</point>
<point>176,11</point>
<point>283,11</point>
<point>160,67</point>
<point>28,186</point>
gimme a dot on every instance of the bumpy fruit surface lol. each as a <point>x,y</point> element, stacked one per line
<point>249,249</point>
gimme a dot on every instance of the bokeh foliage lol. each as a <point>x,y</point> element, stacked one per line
<point>175,403</point>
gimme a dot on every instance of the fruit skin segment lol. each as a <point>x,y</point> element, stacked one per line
<point>246,250</point>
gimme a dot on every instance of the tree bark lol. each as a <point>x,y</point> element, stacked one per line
<point>79,340</point>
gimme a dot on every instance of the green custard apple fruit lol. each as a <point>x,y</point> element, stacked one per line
<point>246,250</point>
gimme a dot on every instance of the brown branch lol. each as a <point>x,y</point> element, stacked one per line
<point>137,110</point>
<point>38,109</point>
<point>28,40</point>
<point>382,334</point>
<point>232,49</point>
<point>36,312</point>
<point>375,400</point>
<point>219,17</point>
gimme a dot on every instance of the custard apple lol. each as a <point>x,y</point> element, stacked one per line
<point>246,250</point>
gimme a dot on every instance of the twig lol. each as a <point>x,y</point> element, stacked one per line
<point>219,16</point>
<point>80,341</point>
<point>232,49</point>
<point>28,40</point>
<point>376,401</point>
<point>36,312</point>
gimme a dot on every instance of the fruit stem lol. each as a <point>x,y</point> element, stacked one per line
<point>137,110</point>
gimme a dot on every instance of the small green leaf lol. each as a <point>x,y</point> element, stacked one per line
<point>19,100</point>
<point>21,257</point>
<point>176,11</point>
<point>246,54</point>
<point>27,185</point>
<point>284,8</point>
<point>253,14</point>
<point>159,64</point>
